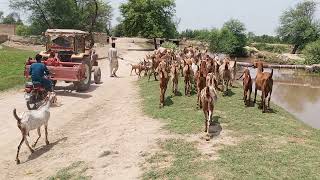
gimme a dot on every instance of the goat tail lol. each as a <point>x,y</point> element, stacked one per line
<point>226,66</point>
<point>16,116</point>
<point>271,73</point>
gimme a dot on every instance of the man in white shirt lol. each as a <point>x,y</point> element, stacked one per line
<point>113,58</point>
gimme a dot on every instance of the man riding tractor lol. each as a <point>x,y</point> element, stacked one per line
<point>38,71</point>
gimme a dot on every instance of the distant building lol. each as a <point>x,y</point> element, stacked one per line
<point>7,29</point>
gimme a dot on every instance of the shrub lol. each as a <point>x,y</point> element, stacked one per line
<point>275,48</point>
<point>23,30</point>
<point>312,53</point>
<point>170,45</point>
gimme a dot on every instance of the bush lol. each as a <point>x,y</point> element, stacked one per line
<point>170,45</point>
<point>312,53</point>
<point>23,30</point>
<point>275,48</point>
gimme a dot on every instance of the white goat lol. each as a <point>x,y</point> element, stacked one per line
<point>32,120</point>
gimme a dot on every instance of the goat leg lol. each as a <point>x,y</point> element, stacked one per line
<point>39,136</point>
<point>46,132</point>
<point>17,156</point>
<point>27,143</point>
<point>255,95</point>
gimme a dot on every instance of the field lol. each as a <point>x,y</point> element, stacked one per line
<point>274,145</point>
<point>12,66</point>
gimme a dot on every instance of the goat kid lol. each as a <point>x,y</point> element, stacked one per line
<point>247,87</point>
<point>164,78</point>
<point>187,79</point>
<point>32,120</point>
<point>175,78</point>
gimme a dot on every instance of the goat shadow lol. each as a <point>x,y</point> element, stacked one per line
<point>178,94</point>
<point>271,111</point>
<point>215,127</point>
<point>168,101</point>
<point>228,93</point>
<point>43,149</point>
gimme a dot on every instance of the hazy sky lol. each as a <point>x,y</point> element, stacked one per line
<point>259,16</point>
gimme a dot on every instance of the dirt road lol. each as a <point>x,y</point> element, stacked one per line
<point>103,127</point>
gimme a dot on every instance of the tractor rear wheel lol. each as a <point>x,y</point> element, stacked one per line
<point>84,85</point>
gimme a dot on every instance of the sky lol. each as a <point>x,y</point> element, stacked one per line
<point>259,16</point>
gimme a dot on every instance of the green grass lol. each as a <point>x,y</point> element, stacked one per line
<point>75,172</point>
<point>12,67</point>
<point>273,145</point>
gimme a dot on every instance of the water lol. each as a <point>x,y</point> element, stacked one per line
<point>298,93</point>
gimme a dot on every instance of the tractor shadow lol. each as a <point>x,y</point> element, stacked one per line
<point>44,149</point>
<point>76,95</point>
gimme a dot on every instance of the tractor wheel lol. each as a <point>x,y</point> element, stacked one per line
<point>84,85</point>
<point>97,75</point>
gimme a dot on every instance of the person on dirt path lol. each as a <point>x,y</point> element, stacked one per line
<point>38,71</point>
<point>113,58</point>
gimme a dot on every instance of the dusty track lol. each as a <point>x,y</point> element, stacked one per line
<point>106,118</point>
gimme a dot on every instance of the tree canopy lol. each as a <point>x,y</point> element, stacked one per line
<point>12,18</point>
<point>298,25</point>
<point>149,18</point>
<point>88,15</point>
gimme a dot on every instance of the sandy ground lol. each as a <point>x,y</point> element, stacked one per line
<point>107,118</point>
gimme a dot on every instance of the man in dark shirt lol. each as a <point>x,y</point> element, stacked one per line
<point>38,71</point>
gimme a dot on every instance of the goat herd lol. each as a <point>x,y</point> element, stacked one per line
<point>207,74</point>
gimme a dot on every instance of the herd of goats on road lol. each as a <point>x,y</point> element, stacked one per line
<point>208,74</point>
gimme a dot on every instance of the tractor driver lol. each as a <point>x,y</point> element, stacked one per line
<point>37,71</point>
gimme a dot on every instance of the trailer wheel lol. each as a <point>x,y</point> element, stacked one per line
<point>97,75</point>
<point>84,84</point>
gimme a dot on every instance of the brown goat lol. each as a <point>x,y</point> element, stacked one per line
<point>264,83</point>
<point>201,80</point>
<point>225,75</point>
<point>208,98</point>
<point>187,79</point>
<point>164,78</point>
<point>247,87</point>
<point>175,78</point>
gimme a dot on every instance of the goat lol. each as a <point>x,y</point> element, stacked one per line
<point>187,79</point>
<point>247,86</point>
<point>164,78</point>
<point>175,78</point>
<point>32,120</point>
<point>264,83</point>
<point>201,80</point>
<point>225,75</point>
<point>208,99</point>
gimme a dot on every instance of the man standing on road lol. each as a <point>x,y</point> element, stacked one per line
<point>113,58</point>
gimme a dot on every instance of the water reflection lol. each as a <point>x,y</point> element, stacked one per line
<point>298,93</point>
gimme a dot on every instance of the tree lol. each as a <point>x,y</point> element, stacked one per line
<point>12,18</point>
<point>149,18</point>
<point>88,15</point>
<point>1,15</point>
<point>235,36</point>
<point>312,53</point>
<point>298,25</point>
